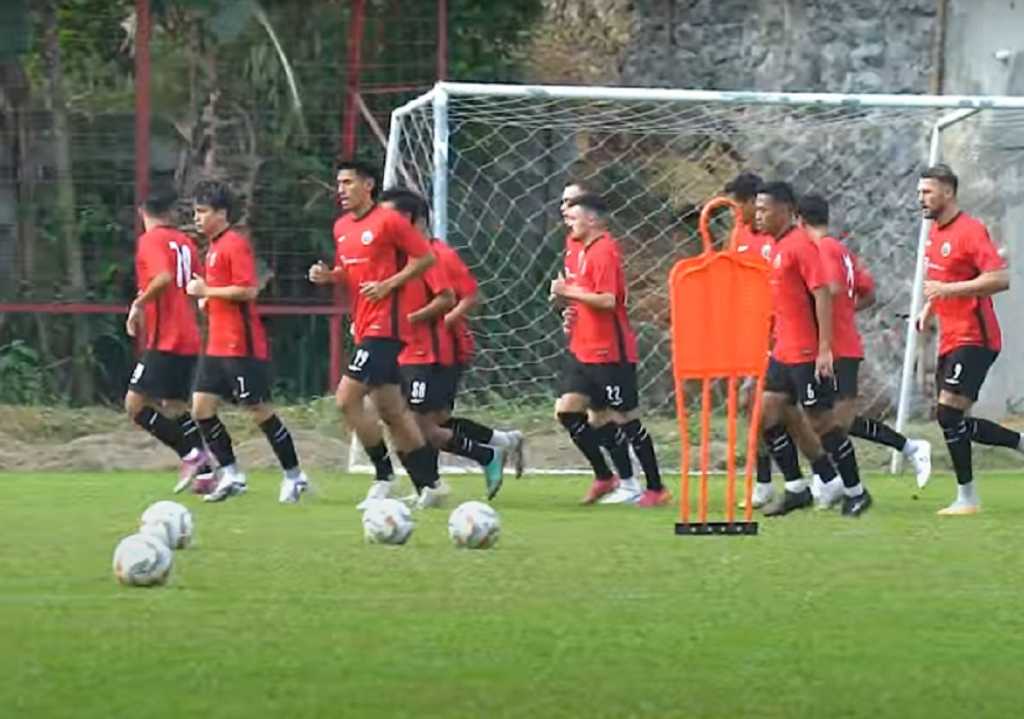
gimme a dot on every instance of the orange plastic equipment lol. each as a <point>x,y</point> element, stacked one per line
<point>721,317</point>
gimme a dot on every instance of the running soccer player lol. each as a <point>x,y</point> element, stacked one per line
<point>601,369</point>
<point>964,270</point>
<point>236,363</point>
<point>800,371</point>
<point>853,289</point>
<point>377,252</point>
<point>158,390</point>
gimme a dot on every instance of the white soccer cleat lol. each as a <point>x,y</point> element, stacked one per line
<point>828,495</point>
<point>230,485</point>
<point>518,452</point>
<point>379,489</point>
<point>921,459</point>
<point>763,495</point>
<point>628,492</point>
<point>960,508</point>
<point>433,497</point>
<point>293,489</point>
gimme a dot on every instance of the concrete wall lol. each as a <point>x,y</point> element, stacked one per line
<point>988,153</point>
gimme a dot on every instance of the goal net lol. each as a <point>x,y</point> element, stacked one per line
<point>494,160</point>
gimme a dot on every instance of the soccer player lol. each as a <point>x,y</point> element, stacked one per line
<point>377,252</point>
<point>853,289</point>
<point>158,390</point>
<point>749,241</point>
<point>236,363</point>
<point>800,370</point>
<point>601,369</point>
<point>964,270</point>
<point>428,362</point>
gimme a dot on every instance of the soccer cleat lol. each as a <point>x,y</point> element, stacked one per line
<point>829,495</point>
<point>628,492</point>
<point>204,483</point>
<point>655,498</point>
<point>921,459</point>
<point>762,495</point>
<point>598,488</point>
<point>856,506</point>
<point>380,489</point>
<point>960,509</point>
<point>228,486</point>
<point>790,501</point>
<point>518,452</point>
<point>494,472</point>
<point>293,489</point>
<point>432,497</point>
<point>190,467</point>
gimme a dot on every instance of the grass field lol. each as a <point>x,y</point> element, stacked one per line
<point>579,612</point>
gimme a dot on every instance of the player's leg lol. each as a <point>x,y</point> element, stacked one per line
<point>418,457</point>
<point>818,400</point>
<point>960,375</point>
<point>252,392</point>
<point>655,493</point>
<point>779,394</point>
<point>197,462</point>
<point>579,393</point>
<point>607,424</point>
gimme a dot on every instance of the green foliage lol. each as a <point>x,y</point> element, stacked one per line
<point>486,38</point>
<point>22,378</point>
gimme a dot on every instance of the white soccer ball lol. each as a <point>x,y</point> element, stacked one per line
<point>474,525</point>
<point>142,560</point>
<point>180,525</point>
<point>159,530</point>
<point>387,521</point>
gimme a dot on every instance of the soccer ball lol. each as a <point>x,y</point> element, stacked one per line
<point>142,560</point>
<point>387,521</point>
<point>159,530</point>
<point>474,525</point>
<point>176,517</point>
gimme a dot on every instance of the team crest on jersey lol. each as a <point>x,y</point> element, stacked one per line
<point>766,252</point>
<point>945,249</point>
<point>341,239</point>
<point>366,238</point>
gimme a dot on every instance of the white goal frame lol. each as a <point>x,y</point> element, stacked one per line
<point>960,107</point>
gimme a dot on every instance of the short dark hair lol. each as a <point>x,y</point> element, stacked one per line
<point>160,200</point>
<point>592,202</point>
<point>364,169</point>
<point>407,202</point>
<point>586,186</point>
<point>813,209</point>
<point>216,194</point>
<point>744,186</point>
<point>779,192</point>
<point>942,173</point>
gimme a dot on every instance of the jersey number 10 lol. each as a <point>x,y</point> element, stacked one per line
<point>182,263</point>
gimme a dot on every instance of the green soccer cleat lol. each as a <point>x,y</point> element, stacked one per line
<point>494,473</point>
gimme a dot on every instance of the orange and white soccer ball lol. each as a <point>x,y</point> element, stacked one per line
<point>177,519</point>
<point>387,521</point>
<point>474,525</point>
<point>142,560</point>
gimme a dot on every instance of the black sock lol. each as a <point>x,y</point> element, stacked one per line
<point>643,446</point>
<point>584,437</point>
<point>958,441</point>
<point>878,432</point>
<point>783,451</point>
<point>613,439</point>
<point>466,447</point>
<point>823,467</point>
<point>193,438</point>
<point>281,442</point>
<point>986,431</point>
<point>164,429</point>
<point>840,450</point>
<point>470,430</point>
<point>382,466</point>
<point>764,467</point>
<point>218,440</point>
<point>421,464</point>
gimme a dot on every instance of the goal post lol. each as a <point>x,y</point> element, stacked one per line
<point>493,158</point>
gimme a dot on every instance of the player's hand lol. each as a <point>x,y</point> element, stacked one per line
<point>320,274</point>
<point>558,287</point>
<point>823,364</point>
<point>921,321</point>
<point>133,324</point>
<point>450,319</point>
<point>934,289</point>
<point>375,291</point>
<point>196,287</point>
<point>568,320</point>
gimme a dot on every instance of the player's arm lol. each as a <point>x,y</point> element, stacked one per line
<point>443,299</point>
<point>984,285</point>
<point>604,301</point>
<point>321,274</point>
<point>244,285</point>
<point>823,314</point>
<point>923,317</point>
<point>599,294</point>
<point>197,287</point>
<point>863,287</point>
<point>466,290</point>
<point>415,246</point>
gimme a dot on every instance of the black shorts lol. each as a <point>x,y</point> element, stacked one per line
<point>163,375</point>
<point>243,380</point>
<point>374,362</point>
<point>608,386</point>
<point>963,370</point>
<point>429,387</point>
<point>799,383</point>
<point>846,370</point>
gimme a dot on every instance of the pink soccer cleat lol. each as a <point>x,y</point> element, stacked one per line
<point>599,488</point>
<point>654,498</point>
<point>204,483</point>
<point>190,466</point>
